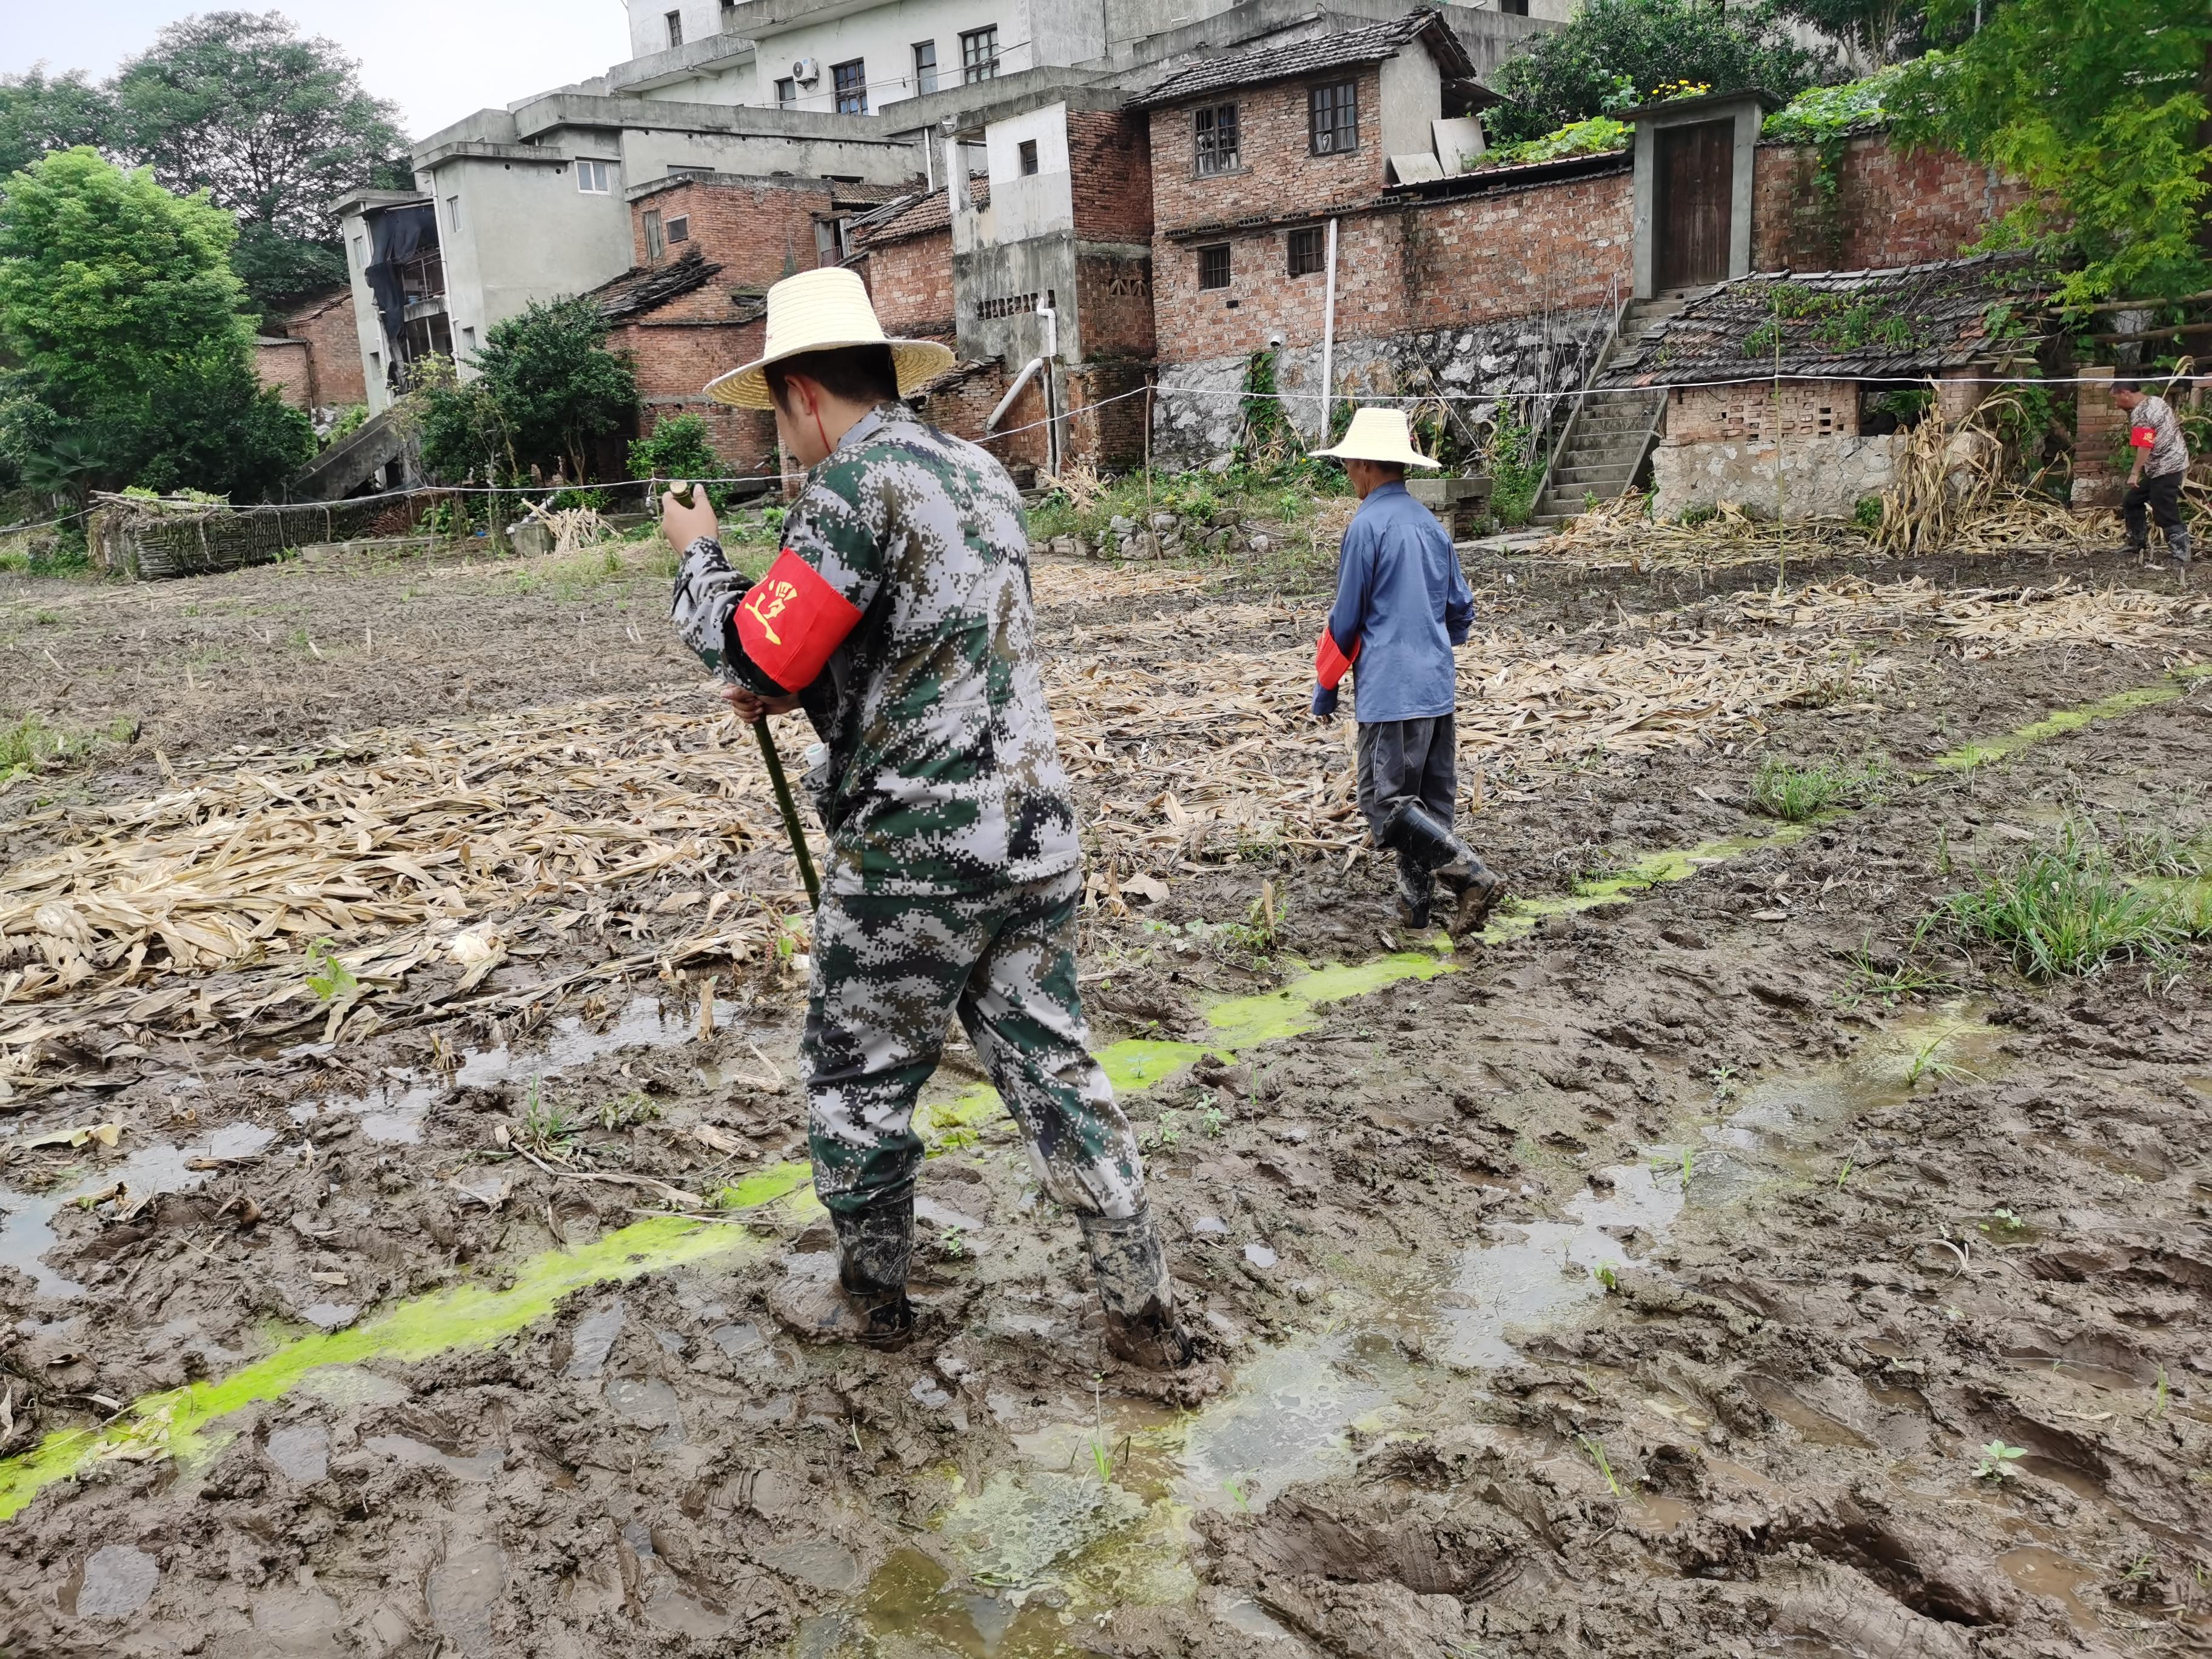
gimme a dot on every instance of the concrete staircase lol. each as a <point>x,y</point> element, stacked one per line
<point>357,460</point>
<point>1608,436</point>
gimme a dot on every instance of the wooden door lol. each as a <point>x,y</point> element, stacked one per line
<point>1695,209</point>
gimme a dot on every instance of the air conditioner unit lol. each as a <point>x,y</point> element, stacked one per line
<point>806,71</point>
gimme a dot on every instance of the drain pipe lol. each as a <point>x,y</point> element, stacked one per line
<point>1051,315</point>
<point>1328,334</point>
<point>1012,392</point>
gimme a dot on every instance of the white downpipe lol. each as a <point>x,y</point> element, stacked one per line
<point>1051,404</point>
<point>1329,336</point>
<point>1012,392</point>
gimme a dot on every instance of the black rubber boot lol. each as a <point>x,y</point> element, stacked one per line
<point>1412,830</point>
<point>862,1297</point>
<point>1417,891</point>
<point>2176,545</point>
<point>1132,1270</point>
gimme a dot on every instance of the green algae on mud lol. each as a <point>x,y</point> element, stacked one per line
<point>2064,722</point>
<point>468,1315</point>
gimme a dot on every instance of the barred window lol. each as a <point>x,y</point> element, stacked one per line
<point>1216,131</point>
<point>850,82</point>
<point>1305,252</point>
<point>1213,266</point>
<point>925,66</point>
<point>979,55</point>
<point>1335,113</point>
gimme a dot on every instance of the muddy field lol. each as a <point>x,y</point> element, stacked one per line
<point>1721,1257</point>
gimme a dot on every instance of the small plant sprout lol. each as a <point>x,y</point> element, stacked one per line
<point>1212,1122</point>
<point>949,1244</point>
<point>1167,1132</point>
<point>1101,1458</point>
<point>330,979</point>
<point>1236,1493</point>
<point>2158,1396</point>
<point>1608,1273</point>
<point>1723,1081</point>
<point>1843,1174</point>
<point>1996,1461</point>
<point>1689,1163</point>
<point>1596,1448</point>
<point>1925,1064</point>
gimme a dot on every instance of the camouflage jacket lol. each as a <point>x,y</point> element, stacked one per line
<point>942,773</point>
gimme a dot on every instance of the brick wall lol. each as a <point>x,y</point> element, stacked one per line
<point>2100,429</point>
<point>1263,300</point>
<point>287,368</point>
<point>1114,298</point>
<point>1106,413</point>
<point>1889,207</point>
<point>674,360</point>
<point>333,346</point>
<point>962,402</point>
<point>749,228</point>
<point>1753,414</point>
<point>911,283</point>
<point>1511,253</point>
<point>1278,174</point>
<point>1110,157</point>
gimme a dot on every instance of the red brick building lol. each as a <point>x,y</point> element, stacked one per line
<point>313,357</point>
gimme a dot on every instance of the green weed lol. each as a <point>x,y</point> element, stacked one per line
<point>2064,911</point>
<point>1212,1122</point>
<point>1795,794</point>
<point>547,1129</point>
<point>949,1244</point>
<point>1596,1448</point>
<point>330,979</point>
<point>1925,1062</point>
<point>1996,1461</point>
<point>1608,1274</point>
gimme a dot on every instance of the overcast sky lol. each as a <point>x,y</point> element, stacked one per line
<point>439,60</point>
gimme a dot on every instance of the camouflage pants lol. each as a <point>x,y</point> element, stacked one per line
<point>887,968</point>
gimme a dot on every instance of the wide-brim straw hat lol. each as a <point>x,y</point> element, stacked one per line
<point>1378,434</point>
<point>821,311</point>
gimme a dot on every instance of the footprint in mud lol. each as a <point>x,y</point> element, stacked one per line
<point>462,1591</point>
<point>115,1582</point>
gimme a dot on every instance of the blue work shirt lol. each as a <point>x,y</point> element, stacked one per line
<point>1400,594</point>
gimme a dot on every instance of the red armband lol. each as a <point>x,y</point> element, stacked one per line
<point>791,619</point>
<point>1331,664</point>
<point>2143,437</point>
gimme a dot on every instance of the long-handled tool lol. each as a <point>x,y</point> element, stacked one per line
<point>773,762</point>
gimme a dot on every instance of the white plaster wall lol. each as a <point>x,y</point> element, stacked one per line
<point>649,154</point>
<point>1042,203</point>
<point>649,22</point>
<point>1412,98</point>
<point>1822,477</point>
<point>733,85</point>
<point>884,37</point>
<point>527,233</point>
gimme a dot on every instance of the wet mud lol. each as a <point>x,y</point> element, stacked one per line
<point>1666,1274</point>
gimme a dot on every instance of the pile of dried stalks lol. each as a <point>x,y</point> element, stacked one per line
<point>1617,535</point>
<point>1990,621</point>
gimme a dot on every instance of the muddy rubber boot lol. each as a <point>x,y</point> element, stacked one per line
<point>1132,1271</point>
<point>1417,891</point>
<point>862,1296</point>
<point>2176,546</point>
<point>1414,831</point>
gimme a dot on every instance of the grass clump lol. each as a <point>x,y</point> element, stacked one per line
<point>2068,910</point>
<point>31,743</point>
<point>1795,794</point>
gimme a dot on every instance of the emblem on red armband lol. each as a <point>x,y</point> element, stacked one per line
<point>1331,664</point>
<point>2143,437</point>
<point>792,620</point>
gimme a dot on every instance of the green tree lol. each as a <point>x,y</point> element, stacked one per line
<point>2103,111</point>
<point>1874,33</point>
<point>40,114</point>
<point>273,126</point>
<point>130,360</point>
<point>680,447</point>
<point>457,427</point>
<point>554,384</point>
<point>1614,50</point>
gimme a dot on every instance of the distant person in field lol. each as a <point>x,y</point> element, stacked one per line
<point>1401,605</point>
<point>2162,463</point>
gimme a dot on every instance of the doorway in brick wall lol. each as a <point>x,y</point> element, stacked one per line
<point>1694,210</point>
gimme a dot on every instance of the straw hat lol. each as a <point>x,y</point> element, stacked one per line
<point>1378,434</point>
<point>821,311</point>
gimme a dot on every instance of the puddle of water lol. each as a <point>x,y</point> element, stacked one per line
<point>2043,1571</point>
<point>483,1466</point>
<point>27,1231</point>
<point>302,1450</point>
<point>571,1043</point>
<point>118,1582</point>
<point>462,1590</point>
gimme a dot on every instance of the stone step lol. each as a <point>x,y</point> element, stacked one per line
<point>1581,468</point>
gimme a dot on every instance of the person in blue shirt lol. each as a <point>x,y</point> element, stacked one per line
<point>1401,605</point>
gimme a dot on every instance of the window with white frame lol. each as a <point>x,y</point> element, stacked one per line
<point>1214,128</point>
<point>979,55</point>
<point>925,66</point>
<point>595,178</point>
<point>678,227</point>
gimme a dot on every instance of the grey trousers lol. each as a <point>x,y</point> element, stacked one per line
<point>1400,759</point>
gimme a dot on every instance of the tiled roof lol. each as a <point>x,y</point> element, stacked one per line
<point>1368,45</point>
<point>642,288</point>
<point>1900,323</point>
<point>915,214</point>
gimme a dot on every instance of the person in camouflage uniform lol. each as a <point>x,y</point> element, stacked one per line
<point>898,614</point>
